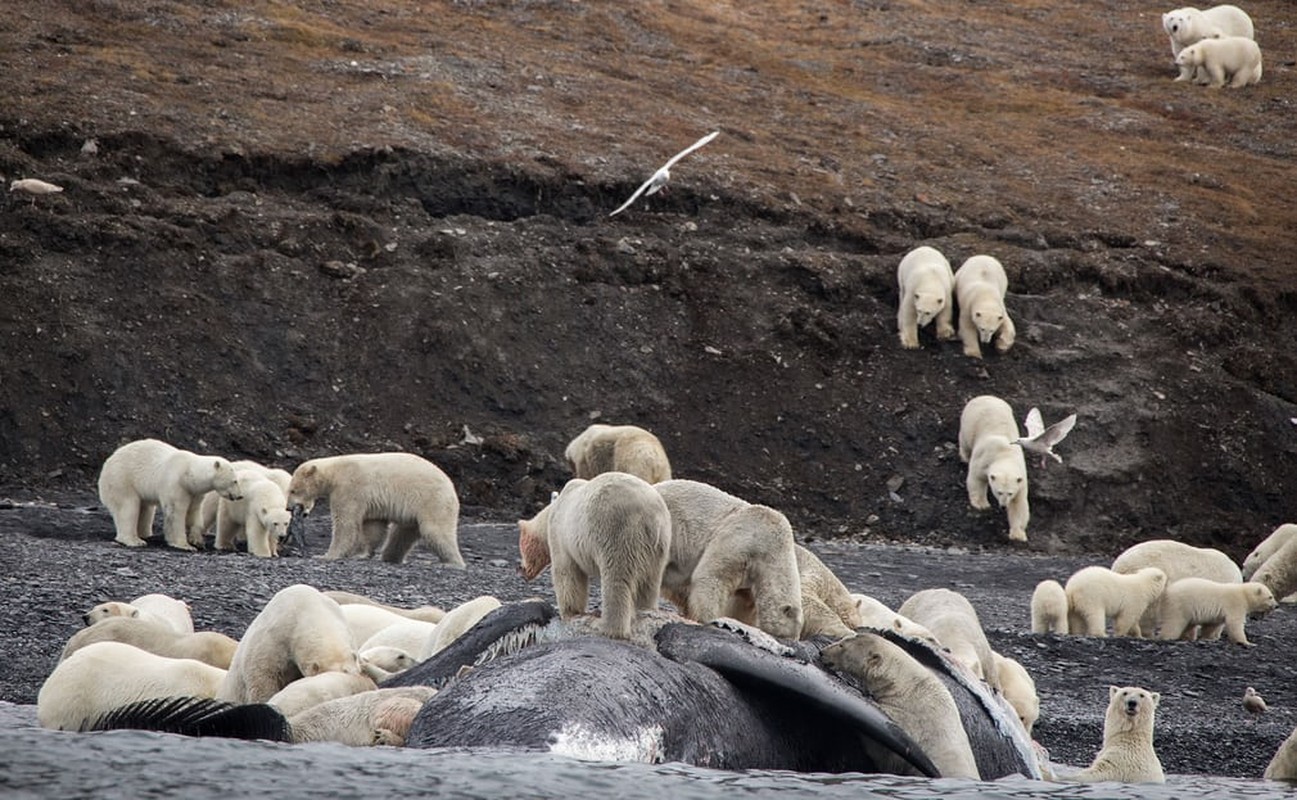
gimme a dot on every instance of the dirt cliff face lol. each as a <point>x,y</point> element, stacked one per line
<point>341,226</point>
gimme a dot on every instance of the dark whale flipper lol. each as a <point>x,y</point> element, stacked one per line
<point>506,629</point>
<point>198,716</point>
<point>752,667</point>
<point>1000,745</point>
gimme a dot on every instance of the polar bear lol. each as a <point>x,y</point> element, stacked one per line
<point>410,635</point>
<point>365,620</point>
<point>911,696</point>
<point>458,620</point>
<point>1178,560</point>
<point>1233,57</point>
<point>876,614</point>
<point>142,475</point>
<point>174,612</point>
<point>381,663</point>
<point>953,620</point>
<point>158,638</point>
<point>827,605</point>
<point>1188,25</point>
<point>261,516</point>
<point>925,282</point>
<point>1049,608</point>
<point>988,434</point>
<point>367,490</point>
<point>615,527</point>
<point>1097,594</point>
<point>722,545</point>
<point>980,286</point>
<point>378,717</point>
<point>1283,765</point>
<point>298,633</point>
<point>104,675</point>
<point>1190,602</point>
<point>1127,755</point>
<point>113,608</point>
<point>304,693</point>
<point>1019,689</point>
<point>425,613</point>
<point>618,448</point>
<point>1268,547</point>
<point>211,501</point>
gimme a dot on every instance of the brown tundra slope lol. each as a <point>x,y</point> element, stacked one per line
<point>329,226</point>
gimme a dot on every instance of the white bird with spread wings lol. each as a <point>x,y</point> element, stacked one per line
<point>660,178</point>
<point>1041,440</point>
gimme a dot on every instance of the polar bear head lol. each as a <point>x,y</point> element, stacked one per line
<point>533,544</point>
<point>1191,56</point>
<point>224,480</point>
<point>927,305</point>
<point>276,521</point>
<point>1187,25</point>
<point>1130,709</point>
<point>988,316</point>
<point>1006,479</point>
<point>105,610</point>
<point>307,485</point>
<point>1260,600</point>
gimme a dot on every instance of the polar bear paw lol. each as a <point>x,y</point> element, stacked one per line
<point>1017,535</point>
<point>133,542</point>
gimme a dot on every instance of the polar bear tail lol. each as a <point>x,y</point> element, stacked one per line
<point>198,716</point>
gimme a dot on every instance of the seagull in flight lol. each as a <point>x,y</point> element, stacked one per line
<point>1041,440</point>
<point>663,174</point>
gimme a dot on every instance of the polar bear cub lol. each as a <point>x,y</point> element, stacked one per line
<point>988,434</point>
<point>614,527</point>
<point>1188,25</point>
<point>1189,602</point>
<point>366,491</point>
<point>261,516</point>
<point>1178,560</point>
<point>980,286</point>
<point>1232,57</point>
<point>1127,755</point>
<point>1018,687</point>
<point>1097,594</point>
<point>141,476</point>
<point>618,448</point>
<point>925,283</point>
<point>1049,608</point>
<point>910,695</point>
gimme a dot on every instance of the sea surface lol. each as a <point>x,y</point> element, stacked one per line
<point>36,763</point>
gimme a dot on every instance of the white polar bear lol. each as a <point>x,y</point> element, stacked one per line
<point>1268,547</point>
<point>911,696</point>
<point>425,613</point>
<point>1189,25</point>
<point>1097,594</point>
<point>261,516</point>
<point>410,635</point>
<point>458,620</point>
<point>104,675</point>
<point>1178,560</point>
<point>618,448</point>
<point>1233,57</point>
<point>615,527</point>
<point>721,546</point>
<point>298,633</point>
<point>366,491</point>
<point>1019,689</point>
<point>145,474</point>
<point>381,663</point>
<point>876,614</point>
<point>1283,765</point>
<point>1127,755</point>
<point>1190,602</point>
<point>158,638</point>
<point>1049,608</point>
<point>925,282</point>
<point>379,717</point>
<point>987,436</point>
<point>304,693</point>
<point>211,501</point>
<point>953,620</point>
<point>175,612</point>
<point>980,287</point>
<point>1279,571</point>
<point>827,605</point>
<point>113,608</point>
<point>365,620</point>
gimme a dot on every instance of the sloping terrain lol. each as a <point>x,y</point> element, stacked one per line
<point>319,227</point>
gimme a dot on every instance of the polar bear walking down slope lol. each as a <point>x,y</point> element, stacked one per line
<point>146,474</point>
<point>980,286</point>
<point>925,282</point>
<point>1127,755</point>
<point>988,434</point>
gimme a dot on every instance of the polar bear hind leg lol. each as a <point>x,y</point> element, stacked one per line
<point>128,518</point>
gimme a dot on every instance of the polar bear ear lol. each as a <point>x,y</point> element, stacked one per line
<point>1156,697</point>
<point>135,612</point>
<point>1112,691</point>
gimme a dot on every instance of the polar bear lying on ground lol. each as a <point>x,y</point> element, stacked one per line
<point>1190,602</point>
<point>156,637</point>
<point>925,283</point>
<point>1188,25</point>
<point>1127,755</point>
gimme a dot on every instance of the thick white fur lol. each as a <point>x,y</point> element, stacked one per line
<point>1233,58</point>
<point>614,527</point>
<point>1049,608</point>
<point>1268,547</point>
<point>381,663</point>
<point>1097,594</point>
<point>410,635</point>
<point>1019,689</point>
<point>618,448</point>
<point>925,282</point>
<point>457,620</point>
<point>1189,25</point>
<point>911,695</point>
<point>211,501</point>
<point>156,637</point>
<point>876,614</point>
<point>1283,765</point>
<point>104,675</point>
<point>722,545</point>
<point>175,612</point>
<point>827,605</point>
<point>298,633</point>
<point>365,620</point>
<point>425,613</point>
<point>261,516</point>
<point>378,717</point>
<point>304,693</point>
<point>987,432</point>
<point>1127,755</point>
<point>146,474</point>
<point>954,621</point>
<point>980,286</point>
<point>113,608</point>
<point>1178,560</point>
<point>1190,602</point>
<point>366,491</point>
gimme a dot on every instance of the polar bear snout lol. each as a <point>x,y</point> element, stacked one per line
<point>1132,706</point>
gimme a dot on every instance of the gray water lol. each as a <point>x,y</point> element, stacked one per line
<point>36,763</point>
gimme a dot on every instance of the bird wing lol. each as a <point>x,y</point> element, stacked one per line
<point>1058,431</point>
<point>691,148</point>
<point>1035,423</point>
<point>635,196</point>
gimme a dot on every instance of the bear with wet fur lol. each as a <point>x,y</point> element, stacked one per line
<point>987,435</point>
<point>721,546</point>
<point>366,491</point>
<point>980,287</point>
<point>618,448</point>
<point>1127,755</point>
<point>147,474</point>
<point>614,527</point>
<point>925,283</point>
